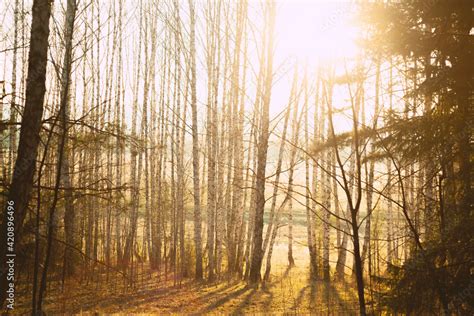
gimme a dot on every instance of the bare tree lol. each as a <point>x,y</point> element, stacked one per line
<point>22,179</point>
<point>257,251</point>
<point>197,193</point>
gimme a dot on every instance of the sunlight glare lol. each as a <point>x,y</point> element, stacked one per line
<point>316,30</point>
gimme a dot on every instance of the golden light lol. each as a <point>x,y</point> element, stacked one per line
<point>316,30</point>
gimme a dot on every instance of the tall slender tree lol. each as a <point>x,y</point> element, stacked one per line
<point>25,164</point>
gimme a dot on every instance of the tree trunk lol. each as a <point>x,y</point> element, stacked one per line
<point>370,177</point>
<point>195,135</point>
<point>13,105</point>
<point>291,102</point>
<point>257,251</point>
<point>63,114</point>
<point>22,179</point>
<point>309,218</point>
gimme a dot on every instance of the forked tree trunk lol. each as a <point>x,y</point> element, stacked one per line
<point>288,200</point>
<point>276,183</point>
<point>275,217</point>
<point>257,251</point>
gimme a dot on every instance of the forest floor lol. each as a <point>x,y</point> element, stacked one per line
<point>289,292</point>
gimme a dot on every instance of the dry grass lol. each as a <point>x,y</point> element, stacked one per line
<point>288,292</point>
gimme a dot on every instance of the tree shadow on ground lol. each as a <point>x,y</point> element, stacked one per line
<point>330,296</point>
<point>287,292</point>
<point>299,299</point>
<point>225,299</point>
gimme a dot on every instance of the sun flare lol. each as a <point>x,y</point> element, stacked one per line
<point>236,157</point>
<point>316,30</point>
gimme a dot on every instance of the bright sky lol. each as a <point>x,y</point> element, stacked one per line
<point>315,29</point>
<point>312,32</point>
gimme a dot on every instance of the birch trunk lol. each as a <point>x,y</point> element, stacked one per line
<point>195,136</point>
<point>257,251</point>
